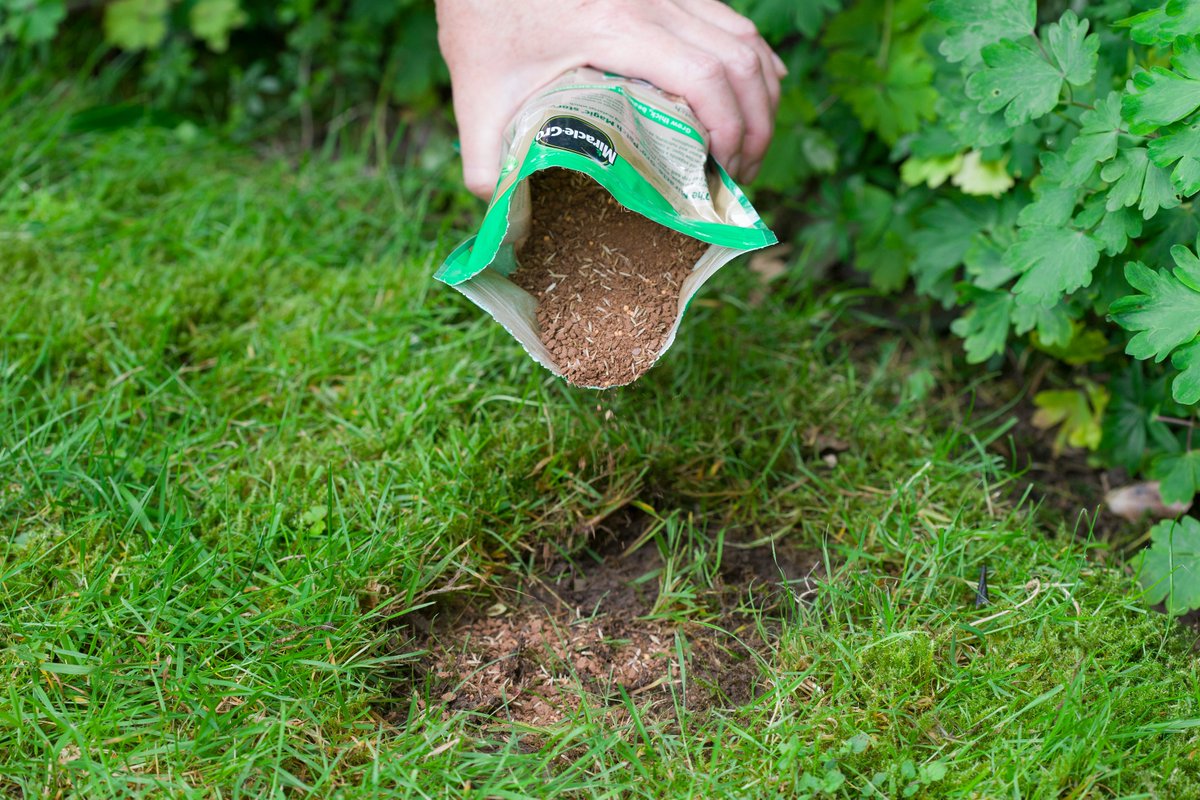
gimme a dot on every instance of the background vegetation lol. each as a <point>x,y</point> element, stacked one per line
<point>242,443</point>
<point>246,442</point>
<point>1029,165</point>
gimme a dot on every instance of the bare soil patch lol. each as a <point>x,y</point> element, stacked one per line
<point>586,633</point>
<point>607,280</point>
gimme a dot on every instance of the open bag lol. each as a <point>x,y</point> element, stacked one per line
<point>647,150</point>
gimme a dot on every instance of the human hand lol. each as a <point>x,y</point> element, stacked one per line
<point>500,53</point>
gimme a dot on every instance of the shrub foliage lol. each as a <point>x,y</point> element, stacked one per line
<point>1033,167</point>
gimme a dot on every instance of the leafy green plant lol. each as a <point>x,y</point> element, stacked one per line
<point>30,22</point>
<point>1170,568</point>
<point>251,65</point>
<point>1075,412</point>
<point>1033,165</point>
<point>1103,149</point>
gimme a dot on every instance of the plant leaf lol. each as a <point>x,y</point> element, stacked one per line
<point>1052,262</point>
<point>982,178</point>
<point>30,22</point>
<point>1160,96</point>
<point>1180,145</point>
<point>974,24</point>
<point>1186,387</point>
<point>1016,79</point>
<point>984,259</point>
<point>1136,180</point>
<point>985,325</point>
<point>1071,49</point>
<point>1052,205</point>
<point>1099,132</point>
<point>1164,316</point>
<point>1085,346</point>
<point>212,21</point>
<point>136,24</point>
<point>1133,434</point>
<point>932,172</point>
<point>1053,324</point>
<point>1114,229</point>
<point>1019,79</point>
<point>1170,568</point>
<point>941,245</point>
<point>892,99</point>
<point>810,16</point>
<point>1166,23</point>
<point>1178,475</point>
<point>1076,412</point>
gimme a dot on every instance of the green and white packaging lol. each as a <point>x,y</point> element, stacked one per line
<point>641,144</point>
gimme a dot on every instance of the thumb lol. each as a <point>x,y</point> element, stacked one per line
<point>480,133</point>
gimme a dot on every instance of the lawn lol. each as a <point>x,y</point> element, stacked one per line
<point>262,481</point>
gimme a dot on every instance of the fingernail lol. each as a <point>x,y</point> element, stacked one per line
<point>751,174</point>
<point>735,166</point>
<point>780,67</point>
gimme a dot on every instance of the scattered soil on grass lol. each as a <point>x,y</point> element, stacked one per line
<point>607,280</point>
<point>580,635</point>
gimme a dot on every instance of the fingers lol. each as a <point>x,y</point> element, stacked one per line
<point>753,81</point>
<point>679,67</point>
<point>722,15</point>
<point>701,50</point>
<point>773,69</point>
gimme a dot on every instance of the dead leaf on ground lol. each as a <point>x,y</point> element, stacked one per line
<point>1138,500</point>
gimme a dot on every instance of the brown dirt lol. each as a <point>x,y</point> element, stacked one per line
<point>607,280</point>
<point>1066,486</point>
<point>581,635</point>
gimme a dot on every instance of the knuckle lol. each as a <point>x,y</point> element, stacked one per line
<point>760,129</point>
<point>619,13</point>
<point>755,144</point>
<point>744,62</point>
<point>706,67</point>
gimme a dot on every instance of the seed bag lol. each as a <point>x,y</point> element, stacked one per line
<point>607,219</point>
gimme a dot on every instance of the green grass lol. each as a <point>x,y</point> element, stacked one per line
<point>235,409</point>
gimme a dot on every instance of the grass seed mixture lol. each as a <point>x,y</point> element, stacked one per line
<point>607,279</point>
<point>587,632</point>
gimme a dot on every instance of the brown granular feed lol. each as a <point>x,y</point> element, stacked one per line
<point>607,279</point>
<point>583,631</point>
